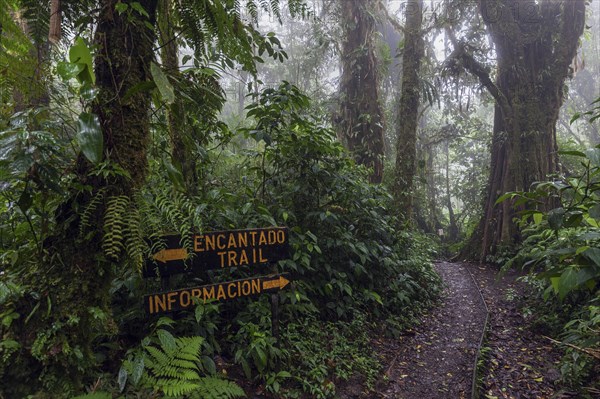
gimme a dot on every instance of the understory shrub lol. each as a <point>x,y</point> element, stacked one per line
<point>562,251</point>
<point>349,267</point>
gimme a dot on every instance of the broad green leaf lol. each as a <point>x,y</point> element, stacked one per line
<point>79,53</point>
<point>138,370</point>
<point>591,222</point>
<point>555,218</point>
<point>88,92</point>
<point>162,83</point>
<point>504,197</point>
<point>209,365</point>
<point>538,217</point>
<point>174,174</point>
<point>68,70</point>
<point>89,137</point>
<point>574,153</point>
<point>593,254</point>
<point>581,250</point>
<point>25,201</point>
<point>167,341</point>
<point>593,155</point>
<point>567,283</point>
<point>594,212</point>
<point>165,321</point>
<point>122,378</point>
<point>121,7</point>
<point>139,8</point>
<point>137,88</point>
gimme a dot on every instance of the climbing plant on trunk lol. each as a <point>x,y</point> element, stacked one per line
<point>407,119</point>
<point>360,122</point>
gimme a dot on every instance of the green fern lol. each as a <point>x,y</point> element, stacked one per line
<point>89,210</point>
<point>114,224</point>
<point>172,367</point>
<point>134,237</point>
<point>217,388</point>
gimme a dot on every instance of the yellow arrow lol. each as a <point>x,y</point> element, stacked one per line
<point>279,283</point>
<point>283,282</point>
<point>165,255</point>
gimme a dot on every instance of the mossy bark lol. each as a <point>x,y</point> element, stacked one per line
<point>360,125</point>
<point>535,43</point>
<point>73,284</point>
<point>407,119</point>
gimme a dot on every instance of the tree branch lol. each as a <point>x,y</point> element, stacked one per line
<point>462,57</point>
<point>390,18</point>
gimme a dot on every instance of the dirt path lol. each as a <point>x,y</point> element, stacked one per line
<point>437,361</point>
<point>519,362</point>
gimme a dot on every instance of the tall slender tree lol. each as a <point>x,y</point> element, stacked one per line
<point>360,120</point>
<point>407,119</point>
<point>180,152</point>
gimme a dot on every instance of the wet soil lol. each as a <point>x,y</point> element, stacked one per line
<point>518,361</point>
<point>437,360</point>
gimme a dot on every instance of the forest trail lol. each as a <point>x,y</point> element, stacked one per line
<point>436,360</point>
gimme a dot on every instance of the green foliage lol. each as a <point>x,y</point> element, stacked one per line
<point>346,252</point>
<point>330,352</point>
<point>593,114</point>
<point>348,262</point>
<point>253,346</point>
<point>565,239</point>
<point>173,366</point>
<point>562,250</point>
<point>217,31</point>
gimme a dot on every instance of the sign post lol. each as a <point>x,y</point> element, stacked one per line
<point>165,302</point>
<point>219,250</point>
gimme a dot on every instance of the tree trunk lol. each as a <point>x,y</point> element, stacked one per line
<point>176,126</point>
<point>535,43</point>
<point>452,228</point>
<point>407,120</point>
<point>361,118</point>
<point>74,286</point>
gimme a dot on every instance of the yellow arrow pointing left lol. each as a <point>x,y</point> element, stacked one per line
<point>166,255</point>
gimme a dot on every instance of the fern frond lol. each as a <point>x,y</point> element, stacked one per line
<point>89,210</point>
<point>36,16</point>
<point>178,388</point>
<point>217,388</point>
<point>134,237</point>
<point>172,366</point>
<point>114,223</point>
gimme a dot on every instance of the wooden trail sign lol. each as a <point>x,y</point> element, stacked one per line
<point>220,249</point>
<point>182,299</point>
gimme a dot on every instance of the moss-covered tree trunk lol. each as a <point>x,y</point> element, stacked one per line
<point>74,309</point>
<point>535,42</point>
<point>407,119</point>
<point>360,124</point>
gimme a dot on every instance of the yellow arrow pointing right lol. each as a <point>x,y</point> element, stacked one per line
<point>283,282</point>
<point>279,283</point>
